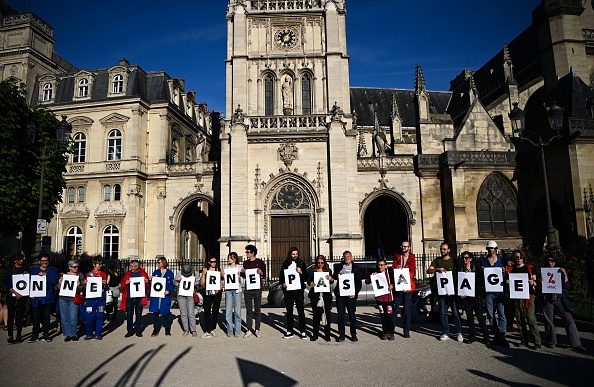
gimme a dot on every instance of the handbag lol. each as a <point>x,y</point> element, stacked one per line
<point>79,299</point>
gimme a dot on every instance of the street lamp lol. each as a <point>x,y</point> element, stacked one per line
<point>555,119</point>
<point>63,131</point>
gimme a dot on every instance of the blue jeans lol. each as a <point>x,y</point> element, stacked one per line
<point>233,311</point>
<point>496,300</point>
<point>446,302</point>
<point>134,307</point>
<point>68,316</point>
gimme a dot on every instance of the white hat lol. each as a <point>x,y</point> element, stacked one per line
<point>492,244</point>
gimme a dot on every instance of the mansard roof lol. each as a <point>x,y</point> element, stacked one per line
<point>150,86</point>
<point>405,100</point>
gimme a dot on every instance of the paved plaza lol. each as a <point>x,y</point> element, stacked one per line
<point>272,361</point>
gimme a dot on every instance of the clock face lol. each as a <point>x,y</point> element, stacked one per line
<point>286,38</point>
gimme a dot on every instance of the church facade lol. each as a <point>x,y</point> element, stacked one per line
<point>302,158</point>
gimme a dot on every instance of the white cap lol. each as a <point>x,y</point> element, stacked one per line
<point>492,244</point>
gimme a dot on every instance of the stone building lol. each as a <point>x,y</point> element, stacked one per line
<point>302,158</point>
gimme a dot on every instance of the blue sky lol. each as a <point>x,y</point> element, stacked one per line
<point>187,38</point>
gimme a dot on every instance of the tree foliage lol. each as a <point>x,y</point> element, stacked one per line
<point>19,169</point>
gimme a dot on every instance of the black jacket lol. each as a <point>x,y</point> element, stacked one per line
<point>357,271</point>
<point>303,275</point>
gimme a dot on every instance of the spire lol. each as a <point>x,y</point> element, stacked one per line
<point>395,113</point>
<point>472,86</point>
<point>419,81</point>
<point>508,66</point>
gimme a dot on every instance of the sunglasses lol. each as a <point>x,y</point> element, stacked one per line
<point>382,264</point>
<point>466,257</point>
<point>212,261</point>
<point>74,267</point>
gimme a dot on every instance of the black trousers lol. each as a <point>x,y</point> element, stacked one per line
<point>212,305</point>
<point>16,313</point>
<point>317,314</point>
<point>41,318</point>
<point>294,297</point>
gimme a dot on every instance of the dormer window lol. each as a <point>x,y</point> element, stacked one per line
<point>83,87</point>
<point>48,92</point>
<point>118,84</point>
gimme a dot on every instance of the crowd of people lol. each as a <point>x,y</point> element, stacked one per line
<point>73,309</point>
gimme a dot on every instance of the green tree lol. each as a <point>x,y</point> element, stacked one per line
<point>20,170</point>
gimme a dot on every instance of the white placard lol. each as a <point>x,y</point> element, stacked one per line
<point>466,284</point>
<point>69,283</point>
<point>445,283</point>
<point>158,285</point>
<point>493,280</point>
<point>379,282</point>
<point>186,286</point>
<point>252,279</point>
<point>518,286</point>
<point>213,280</point>
<point>402,280</point>
<point>346,284</point>
<point>20,283</point>
<point>38,286</point>
<point>322,285</point>
<point>292,279</point>
<point>94,287</point>
<point>137,287</point>
<point>231,278</point>
<point>552,280</point>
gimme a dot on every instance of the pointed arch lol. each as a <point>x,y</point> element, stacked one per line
<point>497,207</point>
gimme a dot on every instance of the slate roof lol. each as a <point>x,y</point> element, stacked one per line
<point>151,86</point>
<point>5,10</point>
<point>572,94</point>
<point>382,97</point>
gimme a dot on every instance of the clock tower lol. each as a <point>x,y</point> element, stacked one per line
<point>289,160</point>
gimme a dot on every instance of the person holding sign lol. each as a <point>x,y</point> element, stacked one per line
<point>559,304</point>
<point>95,307</point>
<point>473,306</point>
<point>15,302</point>
<point>212,300</point>
<point>133,303</point>
<point>385,302</point>
<point>525,310</point>
<point>292,276</point>
<point>406,260</point>
<point>253,296</point>
<point>186,303</point>
<point>495,300</point>
<point>161,307</point>
<point>113,282</point>
<point>41,307</point>
<point>68,309</point>
<point>347,303</point>
<point>233,296</point>
<point>321,301</point>
<point>441,265</point>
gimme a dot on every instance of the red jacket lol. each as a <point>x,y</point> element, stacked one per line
<point>124,288</point>
<point>410,263</point>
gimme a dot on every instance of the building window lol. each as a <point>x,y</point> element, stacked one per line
<point>71,196</point>
<point>306,94</point>
<point>117,192</point>
<point>114,145</point>
<point>80,148</point>
<point>111,242</point>
<point>118,84</point>
<point>81,194</point>
<point>73,243</point>
<point>107,193</point>
<point>48,92</point>
<point>83,87</point>
<point>497,207</point>
<point>268,95</point>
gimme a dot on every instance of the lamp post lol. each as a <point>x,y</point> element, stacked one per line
<point>555,119</point>
<point>63,131</point>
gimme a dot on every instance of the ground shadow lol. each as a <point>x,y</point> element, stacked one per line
<point>262,375</point>
<point>99,367</point>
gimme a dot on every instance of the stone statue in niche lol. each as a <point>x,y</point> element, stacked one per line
<point>381,142</point>
<point>287,92</point>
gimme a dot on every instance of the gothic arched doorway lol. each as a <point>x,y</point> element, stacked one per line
<point>198,231</point>
<point>385,226</point>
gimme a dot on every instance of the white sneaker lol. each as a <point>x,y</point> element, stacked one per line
<point>213,333</point>
<point>444,337</point>
<point>205,335</point>
<point>288,335</point>
<point>247,334</point>
<point>257,333</point>
<point>229,334</point>
<point>460,337</point>
<point>303,336</point>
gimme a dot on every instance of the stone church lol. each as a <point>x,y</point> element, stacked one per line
<point>302,158</point>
